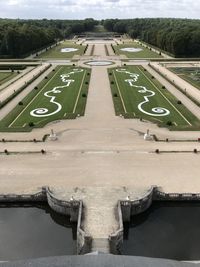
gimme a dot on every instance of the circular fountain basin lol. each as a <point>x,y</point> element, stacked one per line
<point>131,49</point>
<point>99,63</point>
<point>68,50</point>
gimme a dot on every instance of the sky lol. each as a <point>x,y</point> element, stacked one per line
<point>98,9</point>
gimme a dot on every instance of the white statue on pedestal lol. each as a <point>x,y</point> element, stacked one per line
<point>53,136</point>
<point>147,136</point>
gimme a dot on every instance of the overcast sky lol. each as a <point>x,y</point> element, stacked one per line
<point>99,9</point>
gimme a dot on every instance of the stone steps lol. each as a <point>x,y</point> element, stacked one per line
<point>101,245</point>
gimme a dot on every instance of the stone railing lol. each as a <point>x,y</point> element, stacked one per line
<point>125,209</point>
<point>161,196</point>
<point>73,208</point>
<point>116,239</point>
<point>37,197</point>
<point>84,241</point>
<point>130,208</point>
<point>70,208</point>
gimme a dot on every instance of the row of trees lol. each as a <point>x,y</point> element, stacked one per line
<point>180,37</point>
<point>21,37</point>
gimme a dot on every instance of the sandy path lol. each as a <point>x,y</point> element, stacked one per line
<point>21,74</point>
<point>190,89</point>
<point>180,96</point>
<point>174,172</point>
<point>6,109</point>
<point>101,149</point>
<point>110,50</point>
<point>155,50</point>
<point>20,82</point>
<point>99,109</point>
<point>89,50</point>
<point>99,50</point>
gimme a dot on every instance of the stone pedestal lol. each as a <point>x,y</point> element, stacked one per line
<point>53,136</point>
<point>147,136</point>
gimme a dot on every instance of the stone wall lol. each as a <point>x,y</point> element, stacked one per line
<point>84,241</point>
<point>116,239</point>
<point>70,208</point>
<point>21,198</point>
<point>75,209</point>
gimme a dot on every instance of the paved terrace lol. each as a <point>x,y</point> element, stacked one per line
<point>103,154</point>
<point>101,149</point>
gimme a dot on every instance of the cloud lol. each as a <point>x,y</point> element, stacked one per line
<point>99,9</point>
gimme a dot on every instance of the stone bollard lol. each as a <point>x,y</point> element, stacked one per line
<point>74,211</point>
<point>126,210</point>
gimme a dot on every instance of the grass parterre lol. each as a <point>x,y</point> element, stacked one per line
<point>61,95</point>
<point>137,94</point>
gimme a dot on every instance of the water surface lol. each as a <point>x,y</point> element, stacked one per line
<point>31,232</point>
<point>166,230</point>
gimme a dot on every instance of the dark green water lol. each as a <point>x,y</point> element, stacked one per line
<point>30,232</point>
<point>166,230</point>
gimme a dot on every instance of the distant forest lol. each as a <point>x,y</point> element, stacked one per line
<point>19,38</point>
<point>179,37</point>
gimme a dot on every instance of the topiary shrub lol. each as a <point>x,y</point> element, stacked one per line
<point>35,87</point>
<point>84,95</point>
<point>6,151</point>
<point>31,124</point>
<point>112,82</point>
<point>179,102</point>
<point>20,103</point>
<point>43,151</point>
<point>115,95</point>
<point>163,87</point>
<point>169,123</point>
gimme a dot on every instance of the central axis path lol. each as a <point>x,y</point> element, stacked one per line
<point>99,107</point>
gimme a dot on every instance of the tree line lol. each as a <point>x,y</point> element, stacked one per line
<point>19,38</point>
<point>180,37</point>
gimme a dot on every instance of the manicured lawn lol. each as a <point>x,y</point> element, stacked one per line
<point>144,53</point>
<point>136,94</point>
<point>55,52</point>
<point>6,76</point>
<point>62,95</point>
<point>191,75</point>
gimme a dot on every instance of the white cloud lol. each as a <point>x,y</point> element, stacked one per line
<point>79,9</point>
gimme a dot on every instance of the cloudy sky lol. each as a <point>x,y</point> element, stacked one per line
<point>99,9</point>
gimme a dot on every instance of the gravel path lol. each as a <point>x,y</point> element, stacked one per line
<point>101,149</point>
<point>6,109</point>
<point>180,96</point>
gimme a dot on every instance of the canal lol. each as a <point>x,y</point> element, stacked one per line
<point>34,231</point>
<point>165,230</point>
